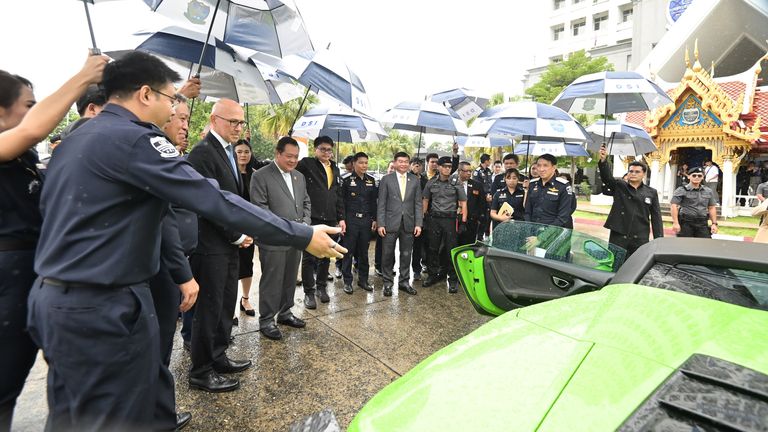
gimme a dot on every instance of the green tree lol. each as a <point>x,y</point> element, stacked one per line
<point>71,116</point>
<point>199,118</point>
<point>559,75</point>
<point>276,120</point>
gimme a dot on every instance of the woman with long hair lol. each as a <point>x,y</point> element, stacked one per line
<point>245,165</point>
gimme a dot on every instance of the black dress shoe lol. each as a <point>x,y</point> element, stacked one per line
<point>407,288</point>
<point>309,301</point>
<point>452,287</point>
<point>182,419</point>
<point>429,281</point>
<point>348,288</point>
<point>387,291</point>
<point>235,322</point>
<point>366,286</point>
<point>324,298</point>
<point>270,331</point>
<point>214,383</point>
<point>249,312</point>
<point>292,321</point>
<point>232,366</point>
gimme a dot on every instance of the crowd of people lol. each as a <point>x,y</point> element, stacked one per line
<point>187,224</point>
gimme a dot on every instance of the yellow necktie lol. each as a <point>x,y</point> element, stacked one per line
<point>329,174</point>
<point>402,187</point>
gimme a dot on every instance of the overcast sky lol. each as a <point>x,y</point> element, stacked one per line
<point>402,50</point>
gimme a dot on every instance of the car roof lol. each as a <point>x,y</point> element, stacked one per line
<point>673,250</point>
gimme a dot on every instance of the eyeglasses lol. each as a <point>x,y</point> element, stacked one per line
<point>446,166</point>
<point>697,175</point>
<point>233,122</point>
<point>325,149</point>
<point>174,99</point>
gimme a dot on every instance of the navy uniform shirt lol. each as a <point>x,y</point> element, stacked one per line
<point>108,189</point>
<point>20,186</point>
<point>514,199</point>
<point>359,196</point>
<point>484,176</point>
<point>694,203</point>
<point>444,195</point>
<point>550,203</point>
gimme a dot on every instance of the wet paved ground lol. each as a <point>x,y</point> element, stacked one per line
<point>351,348</point>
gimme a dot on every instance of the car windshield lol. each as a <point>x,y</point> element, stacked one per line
<point>558,244</point>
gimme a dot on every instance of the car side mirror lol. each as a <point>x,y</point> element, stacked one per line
<point>599,253</point>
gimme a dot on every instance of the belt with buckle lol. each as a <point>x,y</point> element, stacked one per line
<point>359,215</point>
<point>68,285</point>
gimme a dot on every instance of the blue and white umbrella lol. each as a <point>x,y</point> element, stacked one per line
<point>607,93</point>
<point>484,142</point>
<point>342,124</point>
<point>552,147</point>
<point>424,117</point>
<point>625,139</point>
<point>466,102</point>
<point>224,74</point>
<point>529,121</point>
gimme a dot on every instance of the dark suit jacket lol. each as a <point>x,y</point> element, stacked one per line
<point>631,208</point>
<point>476,203</point>
<point>393,211</point>
<point>327,204</point>
<point>269,191</point>
<point>211,161</point>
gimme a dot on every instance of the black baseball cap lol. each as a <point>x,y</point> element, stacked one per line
<point>444,160</point>
<point>695,170</point>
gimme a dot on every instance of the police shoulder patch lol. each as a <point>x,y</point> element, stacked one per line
<point>561,180</point>
<point>568,190</point>
<point>164,147</point>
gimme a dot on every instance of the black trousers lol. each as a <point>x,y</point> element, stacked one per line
<point>377,255</point>
<point>630,242</point>
<point>420,249</point>
<point>212,323</point>
<point>356,240</point>
<point>694,228</point>
<point>442,232</point>
<point>277,285</point>
<point>103,352</point>
<point>17,351</point>
<point>405,237</point>
<point>166,298</point>
<point>314,270</point>
<point>469,235</point>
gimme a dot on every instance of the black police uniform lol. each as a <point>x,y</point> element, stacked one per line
<point>442,227</point>
<point>550,203</point>
<point>477,210</point>
<point>484,176</point>
<point>632,208</point>
<point>515,199</point>
<point>90,309</point>
<point>420,250</point>
<point>20,220</point>
<point>694,210</point>
<point>359,196</point>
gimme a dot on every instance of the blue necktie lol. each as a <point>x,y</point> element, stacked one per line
<point>232,162</point>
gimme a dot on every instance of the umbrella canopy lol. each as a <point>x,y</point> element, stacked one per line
<point>476,141</point>
<point>322,71</point>
<point>269,26</point>
<point>343,124</point>
<point>467,103</point>
<point>224,73</point>
<point>553,148</point>
<point>424,117</point>
<point>625,139</point>
<point>529,120</point>
<point>611,92</point>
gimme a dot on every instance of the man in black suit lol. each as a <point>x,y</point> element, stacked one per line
<point>324,190</point>
<point>215,260</point>
<point>476,204</point>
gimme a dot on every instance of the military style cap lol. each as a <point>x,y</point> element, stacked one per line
<point>695,170</point>
<point>444,160</point>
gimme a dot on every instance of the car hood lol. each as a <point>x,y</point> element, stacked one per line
<point>579,363</point>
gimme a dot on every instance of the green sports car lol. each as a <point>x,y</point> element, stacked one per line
<point>673,339</point>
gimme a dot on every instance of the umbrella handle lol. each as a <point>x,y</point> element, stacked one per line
<point>94,50</point>
<point>207,37</point>
<point>298,112</point>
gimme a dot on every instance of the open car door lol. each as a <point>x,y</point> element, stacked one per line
<point>525,263</point>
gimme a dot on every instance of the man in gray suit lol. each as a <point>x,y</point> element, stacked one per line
<point>279,188</point>
<point>400,218</point>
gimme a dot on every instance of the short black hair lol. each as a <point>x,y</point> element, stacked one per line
<point>134,70</point>
<point>10,88</point>
<point>464,163</point>
<point>284,141</point>
<point>639,164</point>
<point>323,139</point>
<point>548,157</point>
<point>93,95</point>
<point>431,156</point>
<point>359,155</point>
<point>511,171</point>
<point>513,156</point>
<point>401,154</point>
<point>497,162</point>
<point>348,159</point>
<point>417,161</point>
<point>485,157</point>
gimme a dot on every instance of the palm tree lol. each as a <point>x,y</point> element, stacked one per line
<point>276,120</point>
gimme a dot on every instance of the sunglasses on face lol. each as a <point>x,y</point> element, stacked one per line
<point>697,175</point>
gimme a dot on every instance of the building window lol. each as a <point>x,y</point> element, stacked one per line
<point>629,62</point>
<point>577,27</point>
<point>600,21</point>
<point>559,4</point>
<point>557,32</point>
<point>556,59</point>
<point>626,14</point>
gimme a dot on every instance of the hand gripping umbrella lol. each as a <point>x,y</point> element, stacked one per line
<point>611,93</point>
<point>467,103</point>
<point>425,117</point>
<point>625,139</point>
